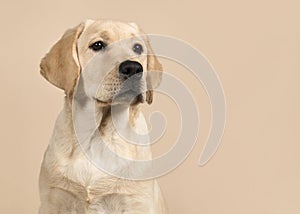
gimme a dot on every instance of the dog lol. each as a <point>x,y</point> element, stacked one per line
<point>69,181</point>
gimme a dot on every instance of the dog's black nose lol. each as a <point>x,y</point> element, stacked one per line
<point>129,68</point>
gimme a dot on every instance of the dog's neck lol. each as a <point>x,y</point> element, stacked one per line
<point>89,114</point>
<point>124,120</point>
<point>122,116</point>
<point>115,143</point>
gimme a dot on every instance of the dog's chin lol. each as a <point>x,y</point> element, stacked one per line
<point>128,98</point>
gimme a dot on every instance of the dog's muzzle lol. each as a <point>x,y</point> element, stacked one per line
<point>131,72</point>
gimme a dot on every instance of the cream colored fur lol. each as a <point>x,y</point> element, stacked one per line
<point>69,182</point>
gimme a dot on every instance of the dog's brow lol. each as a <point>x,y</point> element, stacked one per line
<point>104,35</point>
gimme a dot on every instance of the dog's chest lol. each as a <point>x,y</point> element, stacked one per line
<point>93,182</point>
<point>102,190</point>
<point>81,170</point>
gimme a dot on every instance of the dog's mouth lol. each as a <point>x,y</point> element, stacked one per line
<point>127,99</point>
<point>129,92</point>
<point>130,98</point>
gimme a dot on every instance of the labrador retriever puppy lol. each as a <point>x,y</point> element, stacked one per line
<point>71,180</point>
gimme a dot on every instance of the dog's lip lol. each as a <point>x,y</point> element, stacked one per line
<point>139,98</point>
<point>102,101</point>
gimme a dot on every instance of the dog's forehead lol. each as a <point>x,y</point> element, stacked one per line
<point>110,31</point>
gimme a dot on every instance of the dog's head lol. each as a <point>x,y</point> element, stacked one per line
<point>120,52</point>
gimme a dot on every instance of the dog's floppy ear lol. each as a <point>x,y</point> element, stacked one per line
<point>61,66</point>
<point>154,72</point>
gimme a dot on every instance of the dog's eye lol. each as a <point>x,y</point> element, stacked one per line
<point>98,46</point>
<point>137,48</point>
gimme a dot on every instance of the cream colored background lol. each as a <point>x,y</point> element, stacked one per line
<point>253,45</point>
